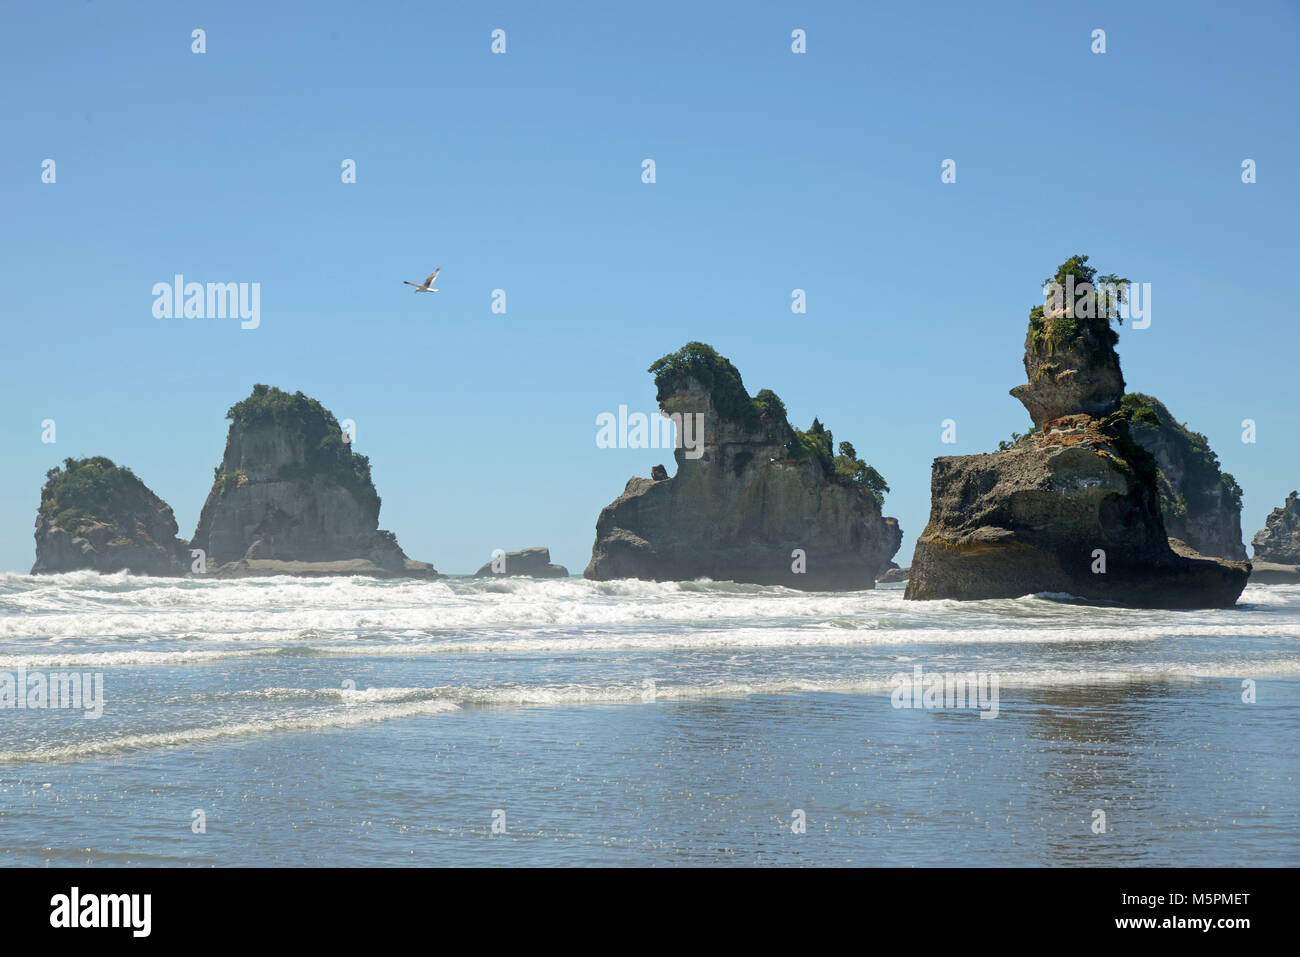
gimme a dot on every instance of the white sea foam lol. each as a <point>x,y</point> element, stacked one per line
<point>181,737</point>
<point>173,647</point>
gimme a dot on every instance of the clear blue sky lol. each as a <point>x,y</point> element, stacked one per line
<point>522,172</point>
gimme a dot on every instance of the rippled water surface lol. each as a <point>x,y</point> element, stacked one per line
<point>352,721</point>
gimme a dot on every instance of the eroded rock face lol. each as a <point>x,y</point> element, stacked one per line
<point>1071,508</point>
<point>1043,516</point>
<point>1081,375</point>
<point>1200,504</point>
<point>529,562</point>
<point>97,516</point>
<point>289,491</point>
<point>745,510</point>
<point>1278,541</point>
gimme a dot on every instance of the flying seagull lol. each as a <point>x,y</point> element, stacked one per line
<point>428,283</point>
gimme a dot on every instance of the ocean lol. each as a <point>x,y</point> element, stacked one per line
<point>306,722</point>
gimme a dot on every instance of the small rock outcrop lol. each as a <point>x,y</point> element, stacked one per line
<point>1073,507</point>
<point>291,497</point>
<point>754,500</point>
<point>95,515</point>
<point>1279,539</point>
<point>1277,545</point>
<point>530,563</point>
<point>1201,504</point>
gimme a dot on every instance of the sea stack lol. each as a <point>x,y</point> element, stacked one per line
<point>1277,545</point>
<point>1200,503</point>
<point>753,499</point>
<point>97,516</point>
<point>1074,506</point>
<point>532,562</point>
<point>290,497</point>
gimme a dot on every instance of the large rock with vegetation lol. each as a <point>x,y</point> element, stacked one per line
<point>764,503</point>
<point>1200,503</point>
<point>95,515</point>
<point>1277,544</point>
<point>1074,506</point>
<point>1070,357</point>
<point>290,493</point>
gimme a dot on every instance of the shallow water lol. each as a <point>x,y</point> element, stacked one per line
<point>354,721</point>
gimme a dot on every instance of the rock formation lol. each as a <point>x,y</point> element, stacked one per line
<point>291,497</point>
<point>1277,545</point>
<point>530,562</point>
<point>757,502</point>
<point>98,516</point>
<point>1073,507</point>
<point>1200,504</point>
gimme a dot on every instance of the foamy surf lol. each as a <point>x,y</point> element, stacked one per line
<point>190,737</point>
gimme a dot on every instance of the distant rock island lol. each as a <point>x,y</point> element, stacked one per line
<point>290,497</point>
<point>1277,545</point>
<point>97,516</point>
<point>1074,506</point>
<point>764,503</point>
<point>528,562</point>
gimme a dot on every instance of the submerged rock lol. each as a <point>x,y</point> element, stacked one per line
<point>530,562</point>
<point>1200,504</point>
<point>1072,507</point>
<point>757,502</point>
<point>95,515</point>
<point>290,490</point>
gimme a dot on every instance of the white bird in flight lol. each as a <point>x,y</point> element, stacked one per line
<point>428,283</point>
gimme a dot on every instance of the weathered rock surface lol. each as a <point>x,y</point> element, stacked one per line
<point>1277,545</point>
<point>95,515</point>
<point>759,496</point>
<point>1076,496</point>
<point>1200,504</point>
<point>290,490</point>
<point>894,575</point>
<point>1034,518</point>
<point>1279,540</point>
<point>529,562</point>
<point>1070,370</point>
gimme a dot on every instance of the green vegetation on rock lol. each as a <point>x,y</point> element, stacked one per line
<point>1203,471</point>
<point>700,362</point>
<point>89,489</point>
<point>1060,332</point>
<point>1138,408</point>
<point>327,454</point>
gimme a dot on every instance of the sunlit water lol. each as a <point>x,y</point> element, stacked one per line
<point>364,722</point>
